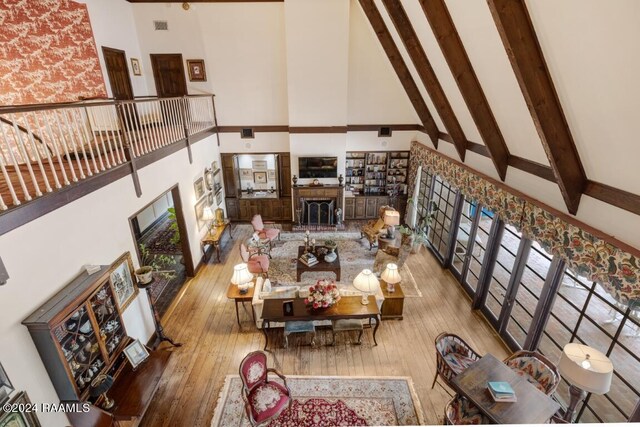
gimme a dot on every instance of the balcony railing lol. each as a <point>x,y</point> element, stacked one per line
<point>45,148</point>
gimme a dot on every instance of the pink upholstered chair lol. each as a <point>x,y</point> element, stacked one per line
<point>257,264</point>
<point>264,233</point>
<point>264,400</point>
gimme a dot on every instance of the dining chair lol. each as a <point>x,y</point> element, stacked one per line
<point>460,411</point>
<point>536,368</point>
<point>257,264</point>
<point>264,233</point>
<point>264,400</point>
<point>453,355</point>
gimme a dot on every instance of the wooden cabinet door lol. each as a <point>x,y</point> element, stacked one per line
<point>285,174</point>
<point>232,209</point>
<point>229,175</point>
<point>349,208</point>
<point>360,208</point>
<point>276,209</point>
<point>286,209</point>
<point>245,210</point>
<point>372,207</point>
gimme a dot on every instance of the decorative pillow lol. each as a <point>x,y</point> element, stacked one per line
<point>267,285</point>
<point>259,281</point>
<point>280,292</point>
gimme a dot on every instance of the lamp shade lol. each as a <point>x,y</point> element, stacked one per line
<point>207,214</point>
<point>391,274</point>
<point>391,217</point>
<point>586,368</point>
<point>241,274</point>
<point>100,384</point>
<point>366,281</point>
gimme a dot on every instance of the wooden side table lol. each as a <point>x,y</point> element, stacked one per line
<point>214,238</point>
<point>234,294</point>
<point>393,303</point>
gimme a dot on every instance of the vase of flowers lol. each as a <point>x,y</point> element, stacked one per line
<point>323,295</point>
<point>331,245</point>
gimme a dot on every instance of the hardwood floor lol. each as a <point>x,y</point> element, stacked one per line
<point>213,344</point>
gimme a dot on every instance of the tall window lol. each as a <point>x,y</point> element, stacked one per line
<point>502,271</point>
<point>479,249</point>
<point>443,200</point>
<point>463,236</point>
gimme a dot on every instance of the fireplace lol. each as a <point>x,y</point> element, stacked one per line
<point>318,212</point>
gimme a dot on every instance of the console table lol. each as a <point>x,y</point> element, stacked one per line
<point>214,238</point>
<point>349,307</point>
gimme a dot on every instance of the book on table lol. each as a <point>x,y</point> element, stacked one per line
<point>308,259</point>
<point>501,391</point>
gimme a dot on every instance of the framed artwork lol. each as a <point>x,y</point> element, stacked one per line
<point>208,179</point>
<point>199,209</point>
<point>135,67</point>
<point>217,181</point>
<point>137,353</point>
<point>219,198</point>
<point>210,199</point>
<point>196,69</point>
<point>259,164</point>
<point>245,174</point>
<point>6,388</point>
<point>21,416</point>
<point>198,187</point>
<point>271,174</point>
<point>121,280</point>
<point>214,166</point>
<point>260,177</point>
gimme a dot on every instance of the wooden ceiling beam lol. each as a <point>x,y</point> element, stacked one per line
<point>410,87</point>
<point>427,74</point>
<point>456,56</point>
<point>521,43</point>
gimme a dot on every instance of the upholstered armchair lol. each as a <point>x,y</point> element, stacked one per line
<point>453,355</point>
<point>257,264</point>
<point>264,233</point>
<point>460,411</point>
<point>536,369</point>
<point>264,400</point>
<point>391,254</point>
<point>373,227</point>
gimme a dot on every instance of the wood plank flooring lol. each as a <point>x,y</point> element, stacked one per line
<point>213,344</point>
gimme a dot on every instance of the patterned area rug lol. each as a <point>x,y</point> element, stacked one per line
<point>354,257</point>
<point>158,239</point>
<point>330,401</point>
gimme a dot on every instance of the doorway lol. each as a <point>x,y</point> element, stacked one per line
<point>168,73</point>
<point>120,81</point>
<point>159,232</point>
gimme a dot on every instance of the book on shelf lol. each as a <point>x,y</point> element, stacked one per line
<point>501,391</point>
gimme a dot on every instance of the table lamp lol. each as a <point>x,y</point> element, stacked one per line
<point>391,276</point>
<point>391,219</point>
<point>207,215</point>
<point>367,283</point>
<point>241,277</point>
<point>99,386</point>
<point>586,370</point>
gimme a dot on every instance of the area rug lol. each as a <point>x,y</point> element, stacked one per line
<point>330,401</point>
<point>354,254</point>
<point>158,239</point>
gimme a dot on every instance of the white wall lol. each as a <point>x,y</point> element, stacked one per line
<point>245,161</point>
<point>264,142</point>
<point>44,255</point>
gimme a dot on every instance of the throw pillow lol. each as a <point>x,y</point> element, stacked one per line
<point>267,286</point>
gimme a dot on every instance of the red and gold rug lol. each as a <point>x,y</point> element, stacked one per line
<point>330,401</point>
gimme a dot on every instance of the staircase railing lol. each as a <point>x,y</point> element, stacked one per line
<point>46,147</point>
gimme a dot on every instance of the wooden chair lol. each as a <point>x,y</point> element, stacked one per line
<point>257,264</point>
<point>536,368</point>
<point>264,400</point>
<point>460,411</point>
<point>374,226</point>
<point>453,355</point>
<point>264,233</point>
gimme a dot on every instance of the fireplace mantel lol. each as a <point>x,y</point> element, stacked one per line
<point>333,193</point>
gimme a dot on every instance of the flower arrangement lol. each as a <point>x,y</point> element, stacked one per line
<point>323,295</point>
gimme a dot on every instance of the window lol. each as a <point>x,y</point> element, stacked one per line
<point>502,271</point>
<point>443,200</point>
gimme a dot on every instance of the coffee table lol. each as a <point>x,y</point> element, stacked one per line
<point>322,265</point>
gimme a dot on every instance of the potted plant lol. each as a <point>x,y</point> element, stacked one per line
<point>154,263</point>
<point>175,238</point>
<point>407,234</point>
<point>331,245</point>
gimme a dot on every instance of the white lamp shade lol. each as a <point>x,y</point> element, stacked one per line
<point>366,281</point>
<point>586,368</point>
<point>207,213</point>
<point>391,217</point>
<point>241,274</point>
<point>391,274</point>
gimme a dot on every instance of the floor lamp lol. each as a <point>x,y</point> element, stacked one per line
<point>587,371</point>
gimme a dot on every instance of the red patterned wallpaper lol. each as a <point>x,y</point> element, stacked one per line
<point>47,52</point>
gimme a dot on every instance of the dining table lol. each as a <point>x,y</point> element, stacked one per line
<point>532,405</point>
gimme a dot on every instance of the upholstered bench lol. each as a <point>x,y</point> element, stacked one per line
<point>299,327</point>
<point>345,325</point>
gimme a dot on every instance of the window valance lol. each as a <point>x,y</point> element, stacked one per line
<point>617,270</point>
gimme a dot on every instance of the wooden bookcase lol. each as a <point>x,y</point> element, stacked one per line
<point>374,173</point>
<point>79,334</point>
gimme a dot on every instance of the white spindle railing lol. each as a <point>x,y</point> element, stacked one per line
<point>44,148</point>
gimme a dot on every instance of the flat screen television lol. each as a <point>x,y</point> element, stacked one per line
<point>318,167</point>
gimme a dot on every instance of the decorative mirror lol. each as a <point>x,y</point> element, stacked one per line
<point>208,178</point>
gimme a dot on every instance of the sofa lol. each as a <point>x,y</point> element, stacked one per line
<point>293,291</point>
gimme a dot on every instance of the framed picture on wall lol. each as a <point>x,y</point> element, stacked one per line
<point>219,198</point>
<point>198,187</point>
<point>121,280</point>
<point>135,67</point>
<point>217,181</point>
<point>214,166</point>
<point>260,177</point>
<point>210,199</point>
<point>196,69</point>
<point>19,418</point>
<point>271,174</point>
<point>245,174</point>
<point>259,164</point>
<point>199,207</point>
<point>208,179</point>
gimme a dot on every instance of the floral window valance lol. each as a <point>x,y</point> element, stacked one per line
<point>615,269</point>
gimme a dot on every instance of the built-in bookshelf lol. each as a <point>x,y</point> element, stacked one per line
<point>377,172</point>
